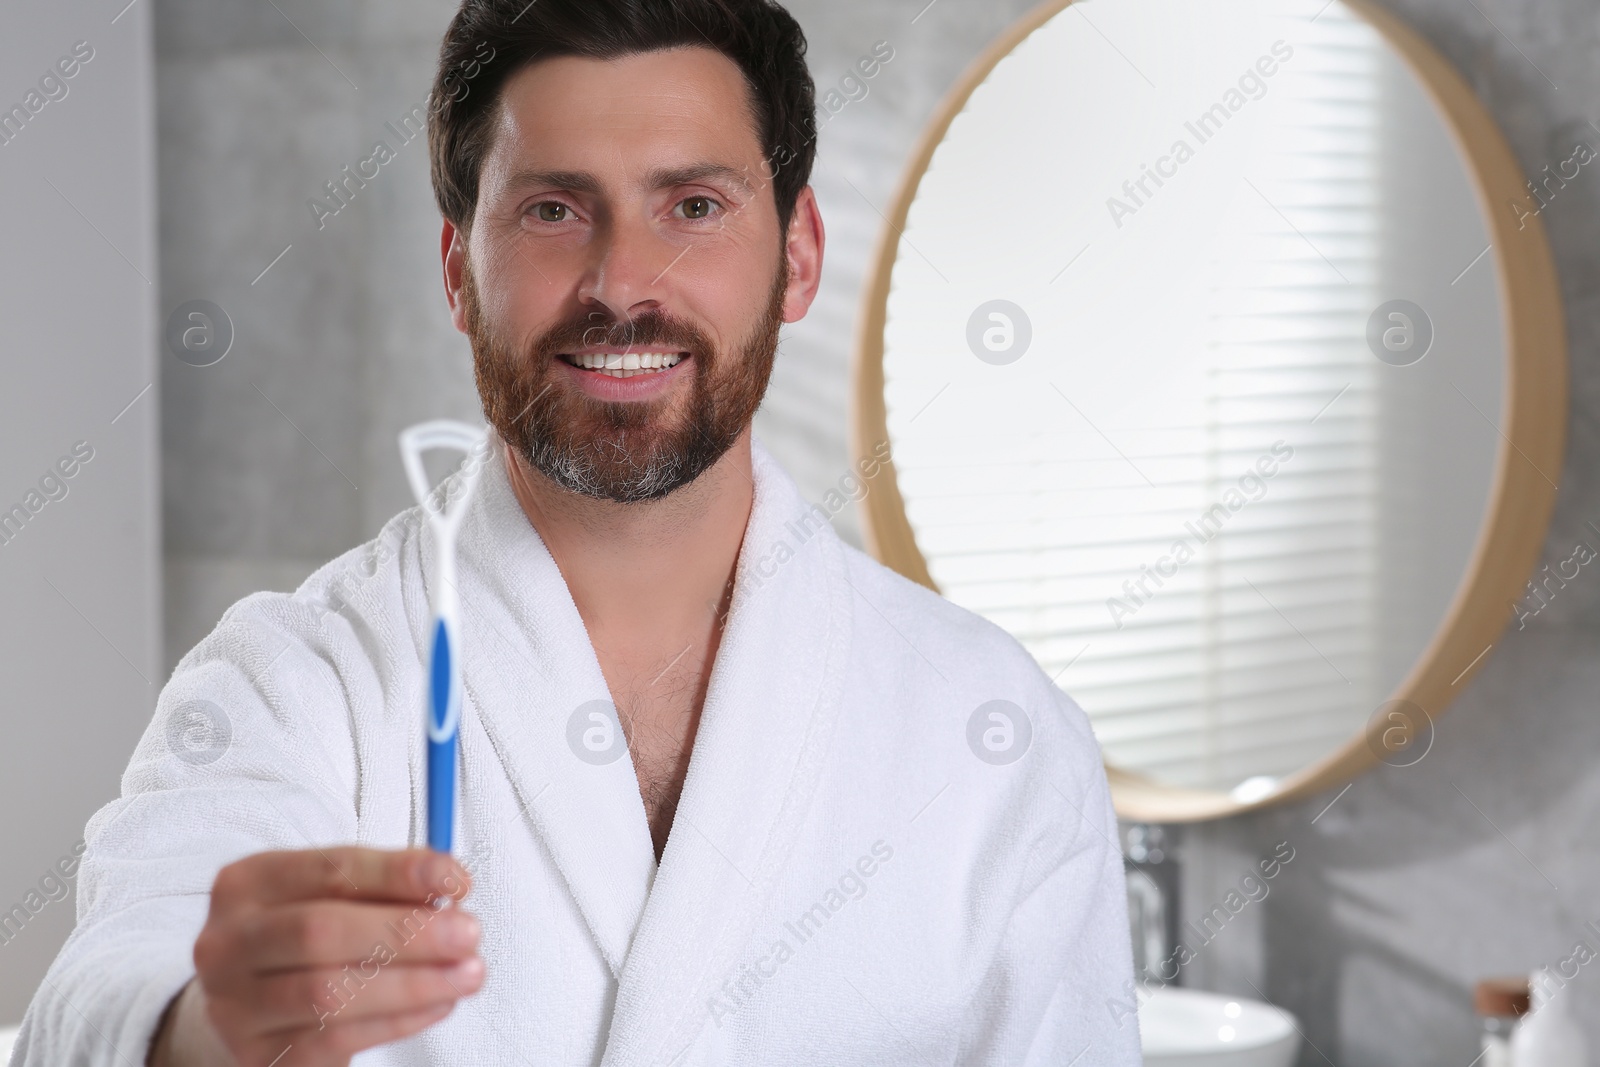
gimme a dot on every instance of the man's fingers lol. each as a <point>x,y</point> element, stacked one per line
<point>411,875</point>
<point>348,1038</point>
<point>334,932</point>
<point>318,950</point>
<point>323,997</point>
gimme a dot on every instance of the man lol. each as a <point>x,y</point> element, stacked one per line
<point>730,792</point>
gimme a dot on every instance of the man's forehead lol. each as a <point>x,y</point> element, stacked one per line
<point>652,111</point>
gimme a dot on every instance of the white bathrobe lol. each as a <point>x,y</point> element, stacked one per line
<point>864,867</point>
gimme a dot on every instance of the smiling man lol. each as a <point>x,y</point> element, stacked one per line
<point>731,792</point>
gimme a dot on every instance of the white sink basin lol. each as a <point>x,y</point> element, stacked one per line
<point>1188,1028</point>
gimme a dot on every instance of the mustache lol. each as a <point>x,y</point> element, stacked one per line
<point>652,329</point>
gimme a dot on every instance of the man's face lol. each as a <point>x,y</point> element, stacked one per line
<point>625,276</point>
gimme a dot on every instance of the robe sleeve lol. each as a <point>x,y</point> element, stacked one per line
<point>249,750</point>
<point>1064,964</point>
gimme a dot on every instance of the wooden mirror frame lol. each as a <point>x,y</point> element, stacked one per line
<point>1532,419</point>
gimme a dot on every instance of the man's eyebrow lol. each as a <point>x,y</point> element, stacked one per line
<point>666,177</point>
<point>580,181</point>
<point>576,180</point>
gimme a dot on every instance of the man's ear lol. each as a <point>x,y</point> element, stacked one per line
<point>803,247</point>
<point>453,253</point>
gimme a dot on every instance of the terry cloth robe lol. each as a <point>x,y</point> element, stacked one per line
<point>894,845</point>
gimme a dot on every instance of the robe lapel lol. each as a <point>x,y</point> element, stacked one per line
<point>770,709</point>
<point>527,667</point>
<point>674,936</point>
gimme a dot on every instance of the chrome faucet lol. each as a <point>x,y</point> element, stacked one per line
<point>1152,873</point>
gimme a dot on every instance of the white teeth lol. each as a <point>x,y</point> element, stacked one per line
<point>627,364</point>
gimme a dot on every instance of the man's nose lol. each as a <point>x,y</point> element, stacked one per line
<point>628,274</point>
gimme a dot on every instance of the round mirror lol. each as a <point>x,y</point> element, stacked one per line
<point>1220,356</point>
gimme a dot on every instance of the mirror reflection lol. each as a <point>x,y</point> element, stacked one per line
<point>1217,444</point>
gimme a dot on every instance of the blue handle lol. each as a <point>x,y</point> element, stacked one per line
<point>443,692</point>
<point>441,793</point>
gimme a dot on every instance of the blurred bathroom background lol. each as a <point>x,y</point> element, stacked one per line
<point>178,167</point>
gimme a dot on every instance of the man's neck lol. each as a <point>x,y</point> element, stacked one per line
<point>651,569</point>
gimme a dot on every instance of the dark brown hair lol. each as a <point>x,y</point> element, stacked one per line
<point>490,40</point>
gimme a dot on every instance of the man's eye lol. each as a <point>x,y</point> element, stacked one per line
<point>697,207</point>
<point>551,211</point>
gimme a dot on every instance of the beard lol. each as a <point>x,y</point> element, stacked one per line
<point>625,451</point>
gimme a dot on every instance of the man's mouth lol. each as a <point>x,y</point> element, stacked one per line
<point>625,364</point>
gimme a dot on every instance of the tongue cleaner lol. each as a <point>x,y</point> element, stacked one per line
<point>443,711</point>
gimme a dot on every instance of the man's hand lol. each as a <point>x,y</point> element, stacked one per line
<point>327,952</point>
